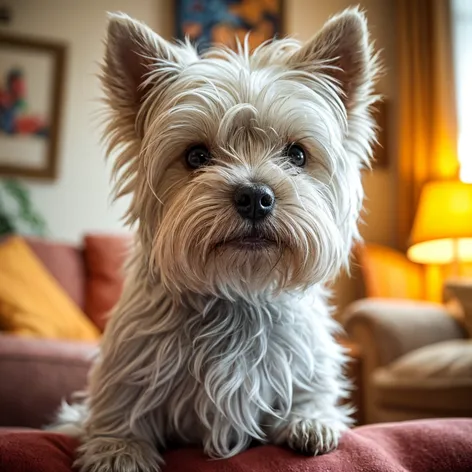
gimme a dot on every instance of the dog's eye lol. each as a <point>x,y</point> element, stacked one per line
<point>197,157</point>
<point>296,154</point>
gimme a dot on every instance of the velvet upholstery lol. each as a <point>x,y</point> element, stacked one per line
<point>419,446</point>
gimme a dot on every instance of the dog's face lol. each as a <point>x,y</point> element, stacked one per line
<point>244,168</point>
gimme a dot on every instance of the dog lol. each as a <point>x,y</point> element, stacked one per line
<point>243,173</point>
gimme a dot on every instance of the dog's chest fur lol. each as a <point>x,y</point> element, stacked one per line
<point>244,362</point>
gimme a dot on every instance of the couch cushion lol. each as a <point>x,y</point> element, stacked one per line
<point>25,451</point>
<point>437,377</point>
<point>417,446</point>
<point>32,303</point>
<point>66,264</point>
<point>105,256</point>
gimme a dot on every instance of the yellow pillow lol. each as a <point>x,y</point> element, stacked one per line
<point>32,303</point>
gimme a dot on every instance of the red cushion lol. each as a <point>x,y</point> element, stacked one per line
<point>105,256</point>
<point>28,451</point>
<point>416,446</point>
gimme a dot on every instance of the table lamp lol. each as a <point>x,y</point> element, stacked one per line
<point>442,230</point>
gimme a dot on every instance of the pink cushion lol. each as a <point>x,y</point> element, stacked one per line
<point>417,446</point>
<point>105,257</point>
<point>66,264</point>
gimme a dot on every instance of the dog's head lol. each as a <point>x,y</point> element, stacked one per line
<point>244,167</point>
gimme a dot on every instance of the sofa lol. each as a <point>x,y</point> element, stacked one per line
<point>396,383</point>
<point>36,373</point>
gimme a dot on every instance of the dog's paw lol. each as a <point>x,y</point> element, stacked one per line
<point>102,454</point>
<point>312,437</point>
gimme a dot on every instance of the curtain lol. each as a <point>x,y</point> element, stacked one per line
<point>462,22</point>
<point>427,147</point>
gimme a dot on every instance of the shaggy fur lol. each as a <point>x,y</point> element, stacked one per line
<point>214,342</point>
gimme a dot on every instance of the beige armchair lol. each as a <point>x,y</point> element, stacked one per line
<point>416,356</point>
<point>416,360</point>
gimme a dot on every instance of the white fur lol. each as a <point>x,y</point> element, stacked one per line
<point>211,343</point>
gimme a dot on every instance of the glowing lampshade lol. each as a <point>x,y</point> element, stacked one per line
<point>442,231</point>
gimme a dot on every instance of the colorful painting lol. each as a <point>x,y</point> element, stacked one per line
<point>31,82</point>
<point>222,21</point>
<point>15,117</point>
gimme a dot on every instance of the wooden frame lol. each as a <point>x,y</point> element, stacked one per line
<point>180,31</point>
<point>57,52</point>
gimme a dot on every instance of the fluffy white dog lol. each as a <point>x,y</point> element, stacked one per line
<point>244,175</point>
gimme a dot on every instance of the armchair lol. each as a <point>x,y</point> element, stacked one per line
<point>416,356</point>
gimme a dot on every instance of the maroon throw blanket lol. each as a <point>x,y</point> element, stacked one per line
<point>416,446</point>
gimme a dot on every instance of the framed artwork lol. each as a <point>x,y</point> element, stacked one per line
<point>31,88</point>
<point>222,21</point>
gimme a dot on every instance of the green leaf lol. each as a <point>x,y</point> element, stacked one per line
<point>6,226</point>
<point>26,215</point>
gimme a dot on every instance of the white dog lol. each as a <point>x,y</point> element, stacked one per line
<point>244,174</point>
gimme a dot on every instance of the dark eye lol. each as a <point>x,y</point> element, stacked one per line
<point>296,154</point>
<point>197,156</point>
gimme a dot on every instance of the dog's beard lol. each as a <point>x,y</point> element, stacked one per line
<point>202,245</point>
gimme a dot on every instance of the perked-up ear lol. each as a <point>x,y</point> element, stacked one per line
<point>343,51</point>
<point>136,60</point>
<point>138,65</point>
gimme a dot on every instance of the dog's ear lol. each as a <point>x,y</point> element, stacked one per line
<point>136,60</point>
<point>342,51</point>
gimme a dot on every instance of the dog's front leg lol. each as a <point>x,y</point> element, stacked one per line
<point>314,425</point>
<point>123,429</point>
<point>113,443</point>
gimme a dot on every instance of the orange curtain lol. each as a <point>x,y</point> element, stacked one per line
<point>427,109</point>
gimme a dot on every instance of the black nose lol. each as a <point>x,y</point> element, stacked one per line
<point>254,201</point>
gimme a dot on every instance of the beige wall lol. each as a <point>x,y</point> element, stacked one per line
<point>78,201</point>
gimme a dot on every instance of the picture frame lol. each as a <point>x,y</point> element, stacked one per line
<point>32,75</point>
<point>222,21</point>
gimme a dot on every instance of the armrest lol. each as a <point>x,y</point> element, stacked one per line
<point>37,374</point>
<point>387,329</point>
